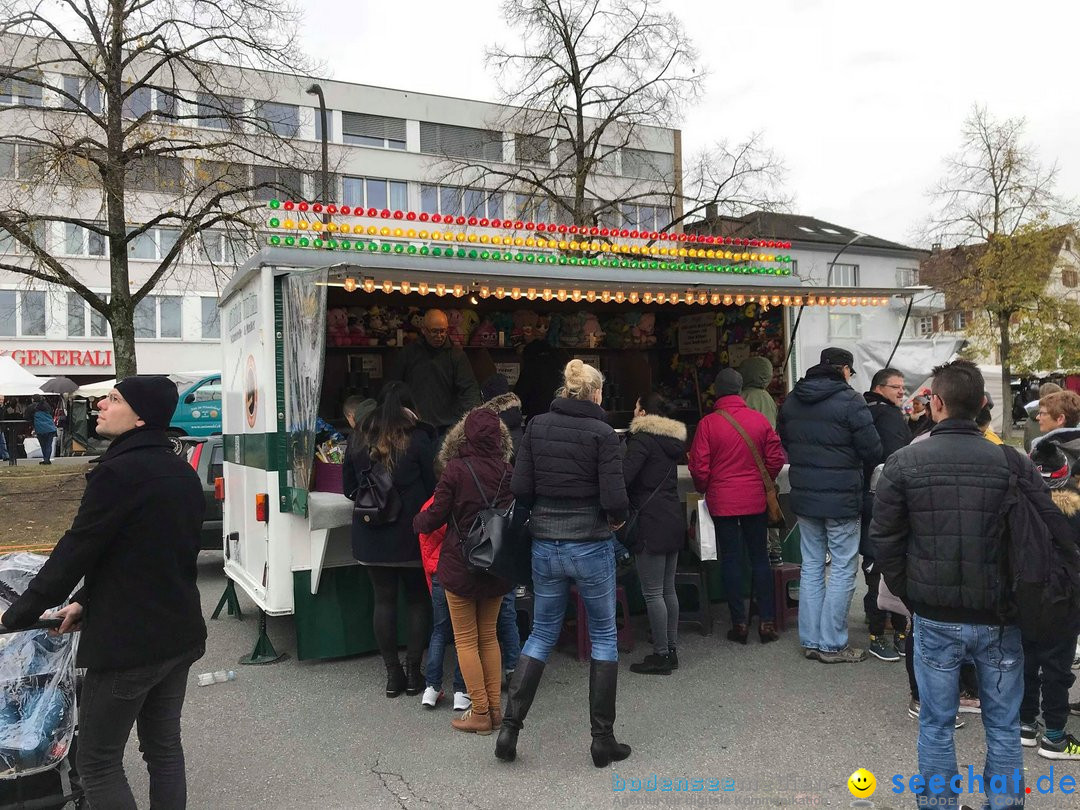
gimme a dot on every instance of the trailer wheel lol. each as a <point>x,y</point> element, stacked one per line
<point>174,440</point>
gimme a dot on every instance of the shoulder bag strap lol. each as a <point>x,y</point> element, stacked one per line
<point>770,485</point>
<point>493,503</point>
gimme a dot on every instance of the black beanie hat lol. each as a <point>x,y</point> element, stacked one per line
<point>728,382</point>
<point>152,398</point>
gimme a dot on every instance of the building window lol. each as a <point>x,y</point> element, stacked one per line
<point>153,244</point>
<point>220,112</point>
<point>463,142</point>
<point>329,125</point>
<point>38,232</point>
<point>77,312</point>
<point>157,174</point>
<point>602,163</point>
<point>647,165</point>
<point>907,277</point>
<point>457,201</point>
<point>646,217</point>
<point>279,183</point>
<point>535,209</point>
<point>21,161</point>
<point>85,90</point>
<point>924,326</point>
<point>79,241</point>
<point>374,192</point>
<point>845,325</point>
<point>24,90</point>
<point>532,149</point>
<point>22,313</point>
<point>281,119</point>
<point>1068,278</point>
<point>960,320</point>
<point>210,318</point>
<point>218,176</point>
<point>843,275</point>
<point>219,247</point>
<point>379,131</point>
<point>158,316</point>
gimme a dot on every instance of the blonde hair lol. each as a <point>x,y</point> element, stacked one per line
<point>580,380</point>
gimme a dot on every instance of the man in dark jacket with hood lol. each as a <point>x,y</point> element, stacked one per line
<point>829,436</point>
<point>937,532</point>
<point>134,542</point>
<point>884,399</point>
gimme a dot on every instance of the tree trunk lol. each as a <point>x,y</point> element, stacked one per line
<point>123,331</point>
<point>1006,376</point>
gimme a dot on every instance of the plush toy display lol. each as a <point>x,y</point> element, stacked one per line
<point>643,334</point>
<point>573,330</point>
<point>594,335</point>
<point>485,335</point>
<point>337,326</point>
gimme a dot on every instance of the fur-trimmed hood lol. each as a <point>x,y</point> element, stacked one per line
<point>455,439</point>
<point>503,402</point>
<point>659,426</point>
<point>1067,500</point>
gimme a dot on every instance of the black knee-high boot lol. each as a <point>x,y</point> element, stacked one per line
<point>603,685</point>
<point>519,698</point>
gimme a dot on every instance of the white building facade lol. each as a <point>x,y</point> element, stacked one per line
<point>387,149</point>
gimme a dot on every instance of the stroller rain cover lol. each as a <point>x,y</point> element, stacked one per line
<point>37,683</point>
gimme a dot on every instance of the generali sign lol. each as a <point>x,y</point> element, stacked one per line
<point>62,358</point>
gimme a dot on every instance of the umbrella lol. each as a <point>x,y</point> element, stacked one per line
<point>59,385</point>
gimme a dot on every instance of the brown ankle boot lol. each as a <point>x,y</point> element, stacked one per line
<point>767,632</point>
<point>495,712</point>
<point>473,723</point>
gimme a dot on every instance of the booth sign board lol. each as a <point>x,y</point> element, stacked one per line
<point>697,334</point>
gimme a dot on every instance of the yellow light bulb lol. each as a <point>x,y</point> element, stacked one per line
<point>605,296</point>
<point>619,297</point>
<point>727,300</point>
<point>440,289</point>
<point>458,291</point>
<point>423,235</point>
<point>575,296</point>
<point>647,297</point>
<point>714,299</point>
<point>546,295</point>
<point>289,224</point>
<point>422,288</point>
<point>515,293</point>
<point>499,293</point>
<point>350,285</point>
<point>797,300</point>
<point>563,245</point>
<point>473,237</point>
<point>530,242</point>
<point>384,231</point>
<point>633,297</point>
<point>531,294</point>
<point>561,295</point>
<point>406,287</point>
<point>518,242</point>
<point>590,296</point>
<point>460,237</point>
<point>410,233</point>
<point>484,239</point>
<point>369,285</point>
<point>388,287</point>
<point>398,232</point>
<point>740,300</point>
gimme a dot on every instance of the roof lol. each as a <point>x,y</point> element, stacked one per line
<point>796,228</point>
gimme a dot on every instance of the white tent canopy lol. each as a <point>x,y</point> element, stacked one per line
<point>183,380</point>
<point>98,389</point>
<point>16,381</point>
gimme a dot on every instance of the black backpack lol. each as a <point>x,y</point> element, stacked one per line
<point>376,501</point>
<point>1041,562</point>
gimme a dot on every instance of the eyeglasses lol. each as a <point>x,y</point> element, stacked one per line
<point>896,387</point>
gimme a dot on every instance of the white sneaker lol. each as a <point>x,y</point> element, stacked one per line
<point>462,701</point>
<point>431,697</point>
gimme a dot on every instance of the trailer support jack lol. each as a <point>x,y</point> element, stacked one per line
<point>230,601</point>
<point>264,652</point>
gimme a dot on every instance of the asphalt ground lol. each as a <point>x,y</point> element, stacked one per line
<point>779,730</point>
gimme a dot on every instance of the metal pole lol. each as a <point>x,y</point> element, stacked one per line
<point>316,90</point>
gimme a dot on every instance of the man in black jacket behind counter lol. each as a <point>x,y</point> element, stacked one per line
<point>135,540</point>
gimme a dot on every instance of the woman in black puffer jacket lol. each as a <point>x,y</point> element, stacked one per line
<point>569,473</point>
<point>657,532</point>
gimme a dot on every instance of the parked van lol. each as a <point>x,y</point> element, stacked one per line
<point>198,413</point>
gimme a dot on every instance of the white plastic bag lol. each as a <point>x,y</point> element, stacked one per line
<point>703,532</point>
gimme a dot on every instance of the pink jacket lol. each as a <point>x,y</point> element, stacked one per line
<point>723,467</point>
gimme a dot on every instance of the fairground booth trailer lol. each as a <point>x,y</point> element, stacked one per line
<point>320,314</point>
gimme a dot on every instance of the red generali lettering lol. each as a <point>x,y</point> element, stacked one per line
<point>62,357</point>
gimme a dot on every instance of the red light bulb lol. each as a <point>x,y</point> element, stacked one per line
<point>373,212</point>
<point>518,225</point>
<point>289,205</point>
<point>411,216</point>
<point>424,217</point>
<point>303,206</point>
<point>530,226</point>
<point>436,218</point>
<point>593,231</point>
<point>604,231</point>
<point>460,220</point>
<point>542,227</point>
<point>345,210</point>
<point>484,222</point>
<point>473,220</point>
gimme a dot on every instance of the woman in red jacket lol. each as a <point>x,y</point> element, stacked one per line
<point>723,468</point>
<point>477,478</point>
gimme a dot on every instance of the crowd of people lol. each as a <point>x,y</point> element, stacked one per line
<point>41,418</point>
<point>436,457</point>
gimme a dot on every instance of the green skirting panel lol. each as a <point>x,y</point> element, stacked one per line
<point>336,621</point>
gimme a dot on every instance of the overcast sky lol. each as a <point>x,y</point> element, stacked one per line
<point>863,100</point>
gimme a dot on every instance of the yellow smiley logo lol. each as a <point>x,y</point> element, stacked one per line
<point>862,784</point>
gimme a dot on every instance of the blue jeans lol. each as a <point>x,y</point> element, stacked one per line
<point>507,631</point>
<point>592,567</point>
<point>940,649</point>
<point>442,633</point>
<point>823,607</point>
<point>3,446</point>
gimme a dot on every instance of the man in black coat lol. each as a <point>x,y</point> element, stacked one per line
<point>438,375</point>
<point>884,399</point>
<point>936,532</point>
<point>134,544</point>
<point>829,436</point>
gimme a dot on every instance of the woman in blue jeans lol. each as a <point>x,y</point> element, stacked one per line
<point>569,474</point>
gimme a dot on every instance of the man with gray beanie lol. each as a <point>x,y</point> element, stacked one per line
<point>828,433</point>
<point>724,462</point>
<point>133,544</point>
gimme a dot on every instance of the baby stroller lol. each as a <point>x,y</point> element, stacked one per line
<point>38,704</point>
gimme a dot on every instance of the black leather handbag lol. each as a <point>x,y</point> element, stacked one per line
<point>376,501</point>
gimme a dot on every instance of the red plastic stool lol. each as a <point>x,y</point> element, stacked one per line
<point>786,607</point>
<point>624,634</point>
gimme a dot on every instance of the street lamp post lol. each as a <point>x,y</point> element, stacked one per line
<point>316,90</point>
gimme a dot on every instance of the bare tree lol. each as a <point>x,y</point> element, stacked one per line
<point>584,84</point>
<point>140,120</point>
<point>997,203</point>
